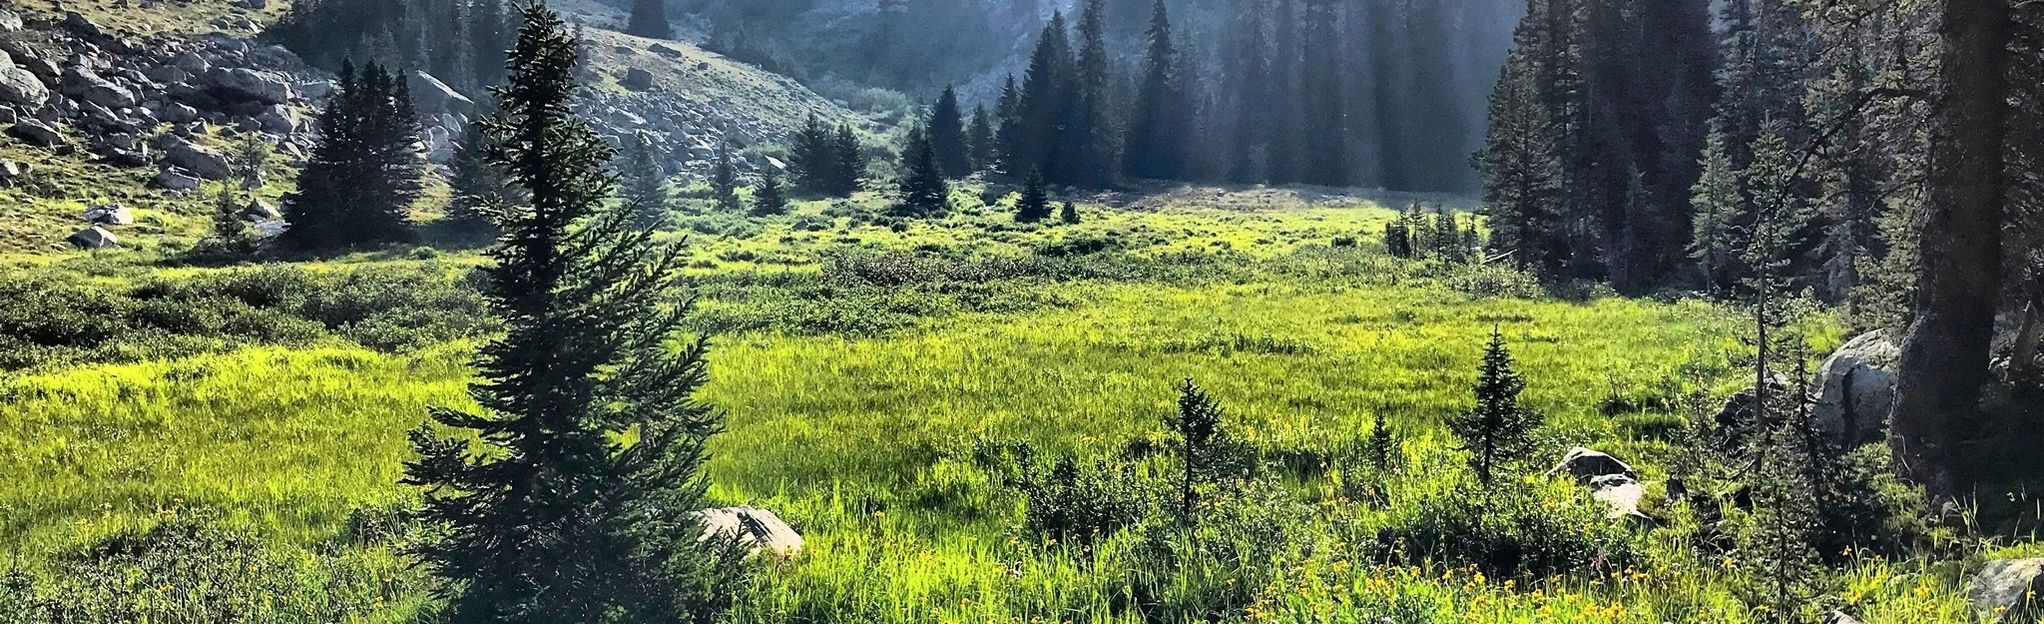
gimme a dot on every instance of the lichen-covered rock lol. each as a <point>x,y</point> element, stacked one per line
<point>758,529</point>
<point>247,85</point>
<point>1585,465</point>
<point>2007,591</point>
<point>1856,389</point>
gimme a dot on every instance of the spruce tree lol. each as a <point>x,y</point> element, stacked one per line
<point>231,231</point>
<point>1157,123</point>
<point>1716,234</point>
<point>1498,432</point>
<point>1084,140</point>
<point>769,199</point>
<point>1068,214</point>
<point>814,157</point>
<point>724,182</point>
<point>1033,205</point>
<point>649,19</point>
<point>645,184</point>
<point>923,190</point>
<point>1521,172</point>
<point>946,124</point>
<point>365,173</point>
<point>1322,111</point>
<point>849,163</point>
<point>1200,445</point>
<point>570,494</point>
<point>1034,137</point>
<point>480,189</point>
<point>980,135</point>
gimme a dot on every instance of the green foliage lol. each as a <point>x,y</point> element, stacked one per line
<point>1498,432</point>
<point>46,322</point>
<point>1521,537</point>
<point>724,182</point>
<point>365,173</point>
<point>191,568</point>
<point>922,189</point>
<point>541,511</point>
<point>769,198</point>
<point>1033,205</point>
<point>645,185</point>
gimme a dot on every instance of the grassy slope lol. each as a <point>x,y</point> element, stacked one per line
<point>864,442</point>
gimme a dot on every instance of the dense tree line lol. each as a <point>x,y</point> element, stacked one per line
<point>1382,93</point>
<point>461,42</point>
<point>1636,142</point>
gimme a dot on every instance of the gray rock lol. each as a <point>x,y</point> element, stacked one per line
<point>1839,617</point>
<point>22,87</point>
<point>316,89</point>
<point>202,161</point>
<point>178,113</point>
<point>12,172</point>
<point>247,85</point>
<point>1856,389</point>
<point>37,133</point>
<point>83,26</point>
<point>1585,465</point>
<point>279,119</point>
<point>1621,493</point>
<point>175,181</point>
<point>192,63</point>
<point>259,211</point>
<point>638,79</point>
<point>2006,592</point>
<point>94,237</point>
<point>86,85</point>
<point>758,529</point>
<point>109,214</point>
<point>1738,416</point>
<point>169,74</point>
<point>433,96</point>
<point>9,21</point>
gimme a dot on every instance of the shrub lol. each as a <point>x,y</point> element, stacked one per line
<point>1508,536</point>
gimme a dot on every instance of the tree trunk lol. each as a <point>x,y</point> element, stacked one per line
<point>1945,357</point>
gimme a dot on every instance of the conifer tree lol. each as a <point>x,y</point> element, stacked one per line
<point>1068,214</point>
<point>980,135</point>
<point>814,157</point>
<point>481,189</point>
<point>1252,68</point>
<point>924,192</point>
<point>1034,137</point>
<point>649,19</point>
<point>1200,445</point>
<point>490,33</point>
<point>769,199</point>
<point>1521,172</point>
<point>1322,111</point>
<point>541,511</point>
<point>1283,107</point>
<point>849,165</point>
<point>1398,239</point>
<point>1382,447</point>
<point>1715,240</point>
<point>1498,431</point>
<point>724,182</point>
<point>645,184</point>
<point>1158,120</point>
<point>231,231</point>
<point>946,124</point>
<point>1033,204</point>
<point>1084,143</point>
<point>364,175</point>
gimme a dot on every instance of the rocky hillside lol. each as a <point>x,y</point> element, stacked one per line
<point>130,104</point>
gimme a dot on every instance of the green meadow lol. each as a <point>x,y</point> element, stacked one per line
<point>870,373</point>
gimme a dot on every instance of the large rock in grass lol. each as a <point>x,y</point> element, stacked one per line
<point>2007,591</point>
<point>1856,389</point>
<point>1621,495</point>
<point>202,161</point>
<point>1585,465</point>
<point>94,237</point>
<point>758,529</point>
<point>36,133</point>
<point>1839,617</point>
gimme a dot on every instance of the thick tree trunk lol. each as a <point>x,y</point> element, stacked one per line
<point>1945,358</point>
